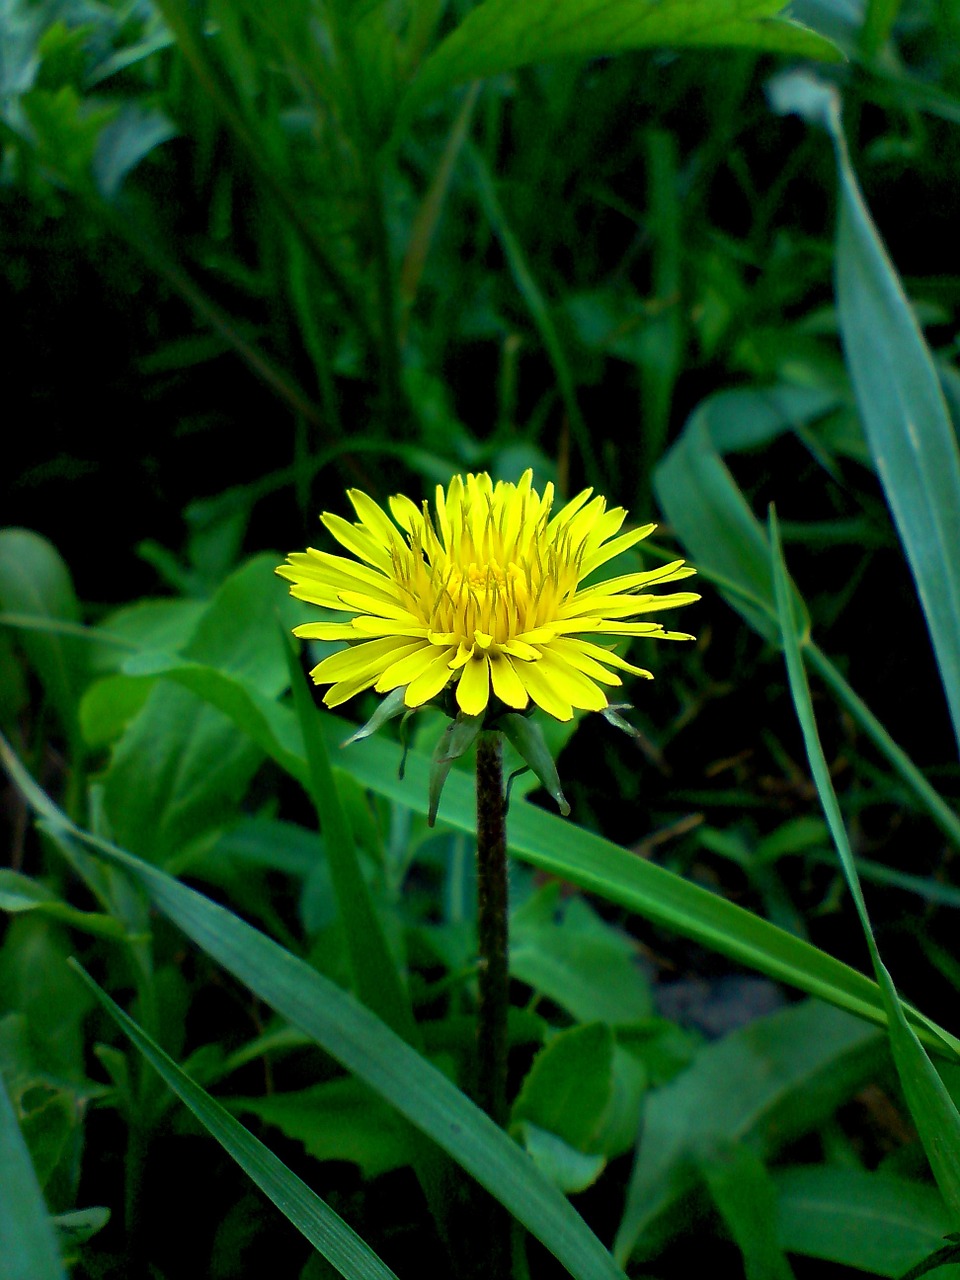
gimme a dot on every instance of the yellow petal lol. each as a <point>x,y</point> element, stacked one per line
<point>473,687</point>
<point>406,668</point>
<point>374,518</point>
<point>604,655</point>
<point>373,655</point>
<point>359,541</point>
<point>431,680</point>
<point>325,631</point>
<point>615,548</point>
<point>541,689</point>
<point>343,690</point>
<point>571,685</point>
<point>585,664</point>
<point>507,685</point>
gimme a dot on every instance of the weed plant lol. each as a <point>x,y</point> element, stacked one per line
<point>695,254</point>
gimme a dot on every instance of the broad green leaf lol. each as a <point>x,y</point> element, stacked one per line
<point>109,705</point>
<point>871,1221</point>
<point>163,626</point>
<point>28,1244</point>
<point>743,1192</point>
<point>568,1088</point>
<point>324,1229</point>
<point>35,581</point>
<point>36,982</point>
<point>361,1043</point>
<point>500,35</point>
<point>764,1085</point>
<point>273,728</point>
<point>338,1120</point>
<point>180,770</point>
<point>133,133</point>
<point>567,953</point>
<point>561,1164</point>
<point>932,1108</point>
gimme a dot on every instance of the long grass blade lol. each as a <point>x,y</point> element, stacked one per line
<point>931,1106</point>
<point>360,1042</point>
<point>376,978</point>
<point>324,1228</point>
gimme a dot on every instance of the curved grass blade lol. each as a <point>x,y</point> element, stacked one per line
<point>501,35</point>
<point>539,312</point>
<point>564,850</point>
<point>714,522</point>
<point>905,416</point>
<point>899,396</point>
<point>931,1106</point>
<point>28,1245</point>
<point>360,1042</point>
<point>657,895</point>
<point>374,971</point>
<point>324,1228</point>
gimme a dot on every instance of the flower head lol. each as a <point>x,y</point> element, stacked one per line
<point>489,592</point>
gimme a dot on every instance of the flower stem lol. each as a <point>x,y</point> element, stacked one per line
<point>492,1222</point>
<point>494,974</point>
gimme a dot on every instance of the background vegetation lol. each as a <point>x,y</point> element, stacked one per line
<point>255,254</point>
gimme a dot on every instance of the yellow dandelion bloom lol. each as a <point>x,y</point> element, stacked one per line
<point>486,592</point>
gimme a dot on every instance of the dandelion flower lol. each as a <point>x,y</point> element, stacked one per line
<point>491,592</point>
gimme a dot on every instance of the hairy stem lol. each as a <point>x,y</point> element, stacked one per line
<point>492,929</point>
<point>494,977</point>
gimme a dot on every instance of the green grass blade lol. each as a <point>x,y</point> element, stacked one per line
<point>376,979</point>
<point>324,1228</point>
<point>28,1244</point>
<point>712,519</point>
<point>904,413</point>
<point>931,1106</point>
<point>938,809</point>
<point>361,1043</point>
<point>539,311</point>
<point>592,863</point>
<point>877,25</point>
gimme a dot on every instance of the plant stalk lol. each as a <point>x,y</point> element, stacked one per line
<point>492,929</point>
<point>494,978</point>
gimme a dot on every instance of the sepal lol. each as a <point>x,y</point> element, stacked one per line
<point>456,740</point>
<point>526,738</point>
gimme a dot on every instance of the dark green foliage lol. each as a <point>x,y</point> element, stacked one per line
<point>254,254</point>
